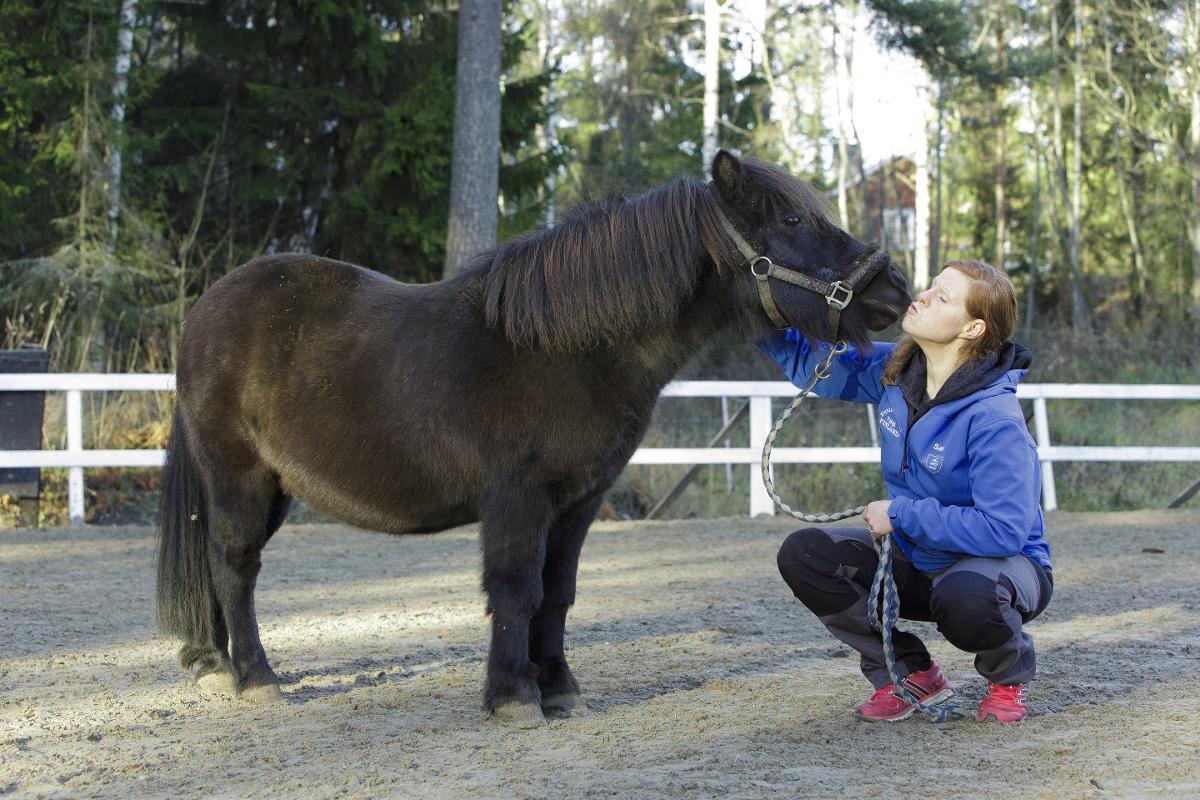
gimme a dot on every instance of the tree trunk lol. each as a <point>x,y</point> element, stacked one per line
<point>781,108</point>
<point>882,177</point>
<point>712,74</point>
<point>1137,286</point>
<point>1061,206</point>
<point>936,255</point>
<point>629,118</point>
<point>1191,73</point>
<point>1001,162</point>
<point>475,168</point>
<point>845,28</point>
<point>85,146</point>
<point>1035,232</point>
<point>842,46</point>
<point>311,213</point>
<point>120,86</point>
<point>921,193</point>
<point>1125,194</point>
<point>544,132</point>
<point>817,79</point>
<point>1001,171</point>
<point>1079,310</point>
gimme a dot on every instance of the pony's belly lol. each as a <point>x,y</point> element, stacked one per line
<point>378,499</point>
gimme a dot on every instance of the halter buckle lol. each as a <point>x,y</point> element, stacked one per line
<point>839,302</point>
<point>766,272</point>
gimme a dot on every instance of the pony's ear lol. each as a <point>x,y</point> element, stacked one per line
<point>727,175</point>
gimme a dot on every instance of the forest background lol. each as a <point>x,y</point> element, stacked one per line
<point>149,146</point>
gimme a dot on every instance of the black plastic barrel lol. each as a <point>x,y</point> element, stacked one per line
<point>21,429</point>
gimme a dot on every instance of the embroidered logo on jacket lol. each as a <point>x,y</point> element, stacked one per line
<point>887,422</point>
<point>933,461</point>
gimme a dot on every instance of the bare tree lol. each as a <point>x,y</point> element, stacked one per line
<point>1191,77</point>
<point>843,43</point>
<point>1000,121</point>
<point>475,168</point>
<point>1079,311</point>
<point>1035,223</point>
<point>1064,210</point>
<point>119,88</point>
<point>817,81</point>
<point>544,133</point>
<point>935,256</point>
<point>921,265</point>
<point>712,73</point>
<point>1119,101</point>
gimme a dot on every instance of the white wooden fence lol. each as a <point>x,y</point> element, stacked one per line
<point>76,459</point>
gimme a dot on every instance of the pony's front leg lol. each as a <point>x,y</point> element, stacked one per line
<point>515,520</point>
<point>560,690</point>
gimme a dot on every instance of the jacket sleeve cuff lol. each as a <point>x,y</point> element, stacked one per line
<point>900,512</point>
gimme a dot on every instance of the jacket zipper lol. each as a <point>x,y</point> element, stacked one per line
<point>904,442</point>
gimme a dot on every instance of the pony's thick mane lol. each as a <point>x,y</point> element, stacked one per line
<point>614,268</point>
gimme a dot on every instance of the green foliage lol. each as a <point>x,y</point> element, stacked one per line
<point>339,111</point>
<point>632,104</point>
<point>42,112</point>
<point>249,127</point>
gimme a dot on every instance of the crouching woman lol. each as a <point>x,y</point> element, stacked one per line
<point>963,487</point>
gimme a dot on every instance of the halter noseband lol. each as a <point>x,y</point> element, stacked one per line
<point>837,294</point>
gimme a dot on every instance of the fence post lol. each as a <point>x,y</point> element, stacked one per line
<point>873,425</point>
<point>1041,426</point>
<point>21,422</point>
<point>75,447</point>
<point>725,423</point>
<point>760,427</point>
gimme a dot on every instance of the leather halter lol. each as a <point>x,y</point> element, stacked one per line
<point>837,294</point>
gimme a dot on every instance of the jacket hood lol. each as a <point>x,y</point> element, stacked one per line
<point>1007,365</point>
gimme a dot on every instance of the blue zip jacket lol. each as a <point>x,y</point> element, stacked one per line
<point>963,480</point>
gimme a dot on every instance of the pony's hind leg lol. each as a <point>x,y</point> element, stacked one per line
<point>243,514</point>
<point>209,660</point>
<point>560,690</point>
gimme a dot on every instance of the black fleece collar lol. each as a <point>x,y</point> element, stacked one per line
<point>967,379</point>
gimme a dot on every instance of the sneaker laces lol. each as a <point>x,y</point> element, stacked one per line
<point>883,692</point>
<point>1015,693</point>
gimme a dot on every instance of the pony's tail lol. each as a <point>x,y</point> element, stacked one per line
<point>185,599</point>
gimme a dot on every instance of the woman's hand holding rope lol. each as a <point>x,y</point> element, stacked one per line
<point>879,524</point>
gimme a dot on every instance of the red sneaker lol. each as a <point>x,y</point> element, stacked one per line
<point>1005,703</point>
<point>886,705</point>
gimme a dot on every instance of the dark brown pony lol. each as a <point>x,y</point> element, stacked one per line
<point>512,394</point>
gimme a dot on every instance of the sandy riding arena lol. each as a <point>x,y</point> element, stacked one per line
<point>703,677</point>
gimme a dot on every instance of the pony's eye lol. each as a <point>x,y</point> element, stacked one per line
<point>792,221</point>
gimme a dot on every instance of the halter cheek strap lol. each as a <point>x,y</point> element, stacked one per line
<point>837,294</point>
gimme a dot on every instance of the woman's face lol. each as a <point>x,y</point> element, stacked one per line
<point>939,314</point>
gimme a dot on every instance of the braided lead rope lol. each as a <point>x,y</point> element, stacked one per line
<point>819,374</point>
<point>883,620</point>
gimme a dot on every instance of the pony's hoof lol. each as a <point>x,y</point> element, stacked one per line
<point>519,715</point>
<point>564,704</point>
<point>218,681</point>
<point>266,693</point>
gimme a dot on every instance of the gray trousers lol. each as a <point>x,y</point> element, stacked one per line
<point>979,604</point>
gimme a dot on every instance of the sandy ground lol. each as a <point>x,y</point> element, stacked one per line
<point>702,675</point>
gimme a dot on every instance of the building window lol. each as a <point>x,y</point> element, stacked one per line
<point>899,229</point>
